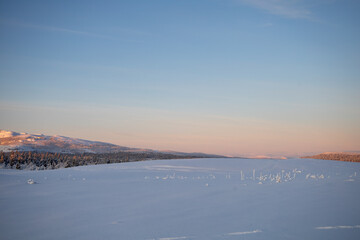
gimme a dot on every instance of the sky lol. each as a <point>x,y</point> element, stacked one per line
<point>232,77</point>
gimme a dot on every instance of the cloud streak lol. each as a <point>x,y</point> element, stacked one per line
<point>53,29</point>
<point>285,8</point>
<point>337,227</point>
<point>243,233</point>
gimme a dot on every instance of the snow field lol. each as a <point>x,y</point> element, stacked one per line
<point>184,199</point>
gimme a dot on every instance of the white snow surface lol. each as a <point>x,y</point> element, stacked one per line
<point>184,199</point>
<point>6,134</point>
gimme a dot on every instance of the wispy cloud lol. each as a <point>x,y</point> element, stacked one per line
<point>52,29</point>
<point>243,233</point>
<point>337,227</point>
<point>285,8</point>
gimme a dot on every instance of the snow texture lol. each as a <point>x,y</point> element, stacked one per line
<point>184,199</point>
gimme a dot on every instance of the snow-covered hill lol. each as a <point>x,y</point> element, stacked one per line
<point>194,199</point>
<point>38,142</point>
<point>10,141</point>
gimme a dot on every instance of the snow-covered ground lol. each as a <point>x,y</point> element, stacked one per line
<point>184,199</point>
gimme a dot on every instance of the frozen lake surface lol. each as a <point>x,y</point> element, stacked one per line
<point>184,199</point>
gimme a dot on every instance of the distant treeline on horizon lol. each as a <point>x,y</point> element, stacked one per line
<point>345,157</point>
<point>49,160</point>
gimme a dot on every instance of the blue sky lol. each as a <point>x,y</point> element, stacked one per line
<point>223,76</point>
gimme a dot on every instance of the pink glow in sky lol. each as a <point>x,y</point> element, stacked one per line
<point>233,77</point>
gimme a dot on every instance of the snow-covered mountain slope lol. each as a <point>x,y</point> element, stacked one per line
<point>38,142</point>
<point>195,199</point>
<point>10,141</point>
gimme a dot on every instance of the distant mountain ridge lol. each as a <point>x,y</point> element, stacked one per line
<point>39,142</point>
<point>14,141</point>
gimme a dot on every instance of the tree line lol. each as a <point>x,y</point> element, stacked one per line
<point>49,160</point>
<point>337,156</point>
